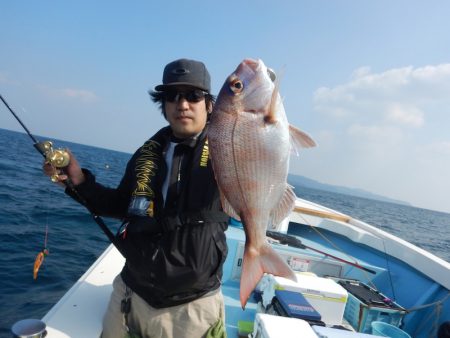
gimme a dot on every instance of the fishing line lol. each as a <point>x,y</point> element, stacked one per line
<point>18,119</point>
<point>46,234</point>
<point>39,260</point>
<point>60,159</point>
<point>369,281</point>
<point>40,257</point>
<point>386,257</point>
<point>355,262</point>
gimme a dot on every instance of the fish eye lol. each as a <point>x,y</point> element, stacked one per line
<point>236,86</point>
<point>271,74</point>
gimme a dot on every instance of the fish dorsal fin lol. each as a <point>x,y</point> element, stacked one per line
<point>300,139</point>
<point>227,208</point>
<point>271,116</point>
<point>283,209</point>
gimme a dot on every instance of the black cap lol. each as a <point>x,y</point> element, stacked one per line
<point>185,72</point>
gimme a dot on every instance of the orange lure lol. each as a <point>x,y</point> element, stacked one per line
<point>40,257</point>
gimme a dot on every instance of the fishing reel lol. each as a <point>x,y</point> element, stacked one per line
<point>59,158</point>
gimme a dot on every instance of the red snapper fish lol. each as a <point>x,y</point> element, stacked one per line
<point>250,142</point>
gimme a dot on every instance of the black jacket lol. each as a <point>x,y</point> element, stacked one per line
<point>174,252</point>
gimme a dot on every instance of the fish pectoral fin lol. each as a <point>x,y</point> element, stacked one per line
<point>300,139</point>
<point>255,264</point>
<point>283,209</point>
<point>227,208</point>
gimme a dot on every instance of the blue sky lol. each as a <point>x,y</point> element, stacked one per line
<point>368,80</point>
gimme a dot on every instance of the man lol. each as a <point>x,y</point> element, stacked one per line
<point>173,231</point>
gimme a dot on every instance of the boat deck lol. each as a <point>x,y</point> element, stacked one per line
<point>402,272</point>
<point>87,300</point>
<point>79,312</point>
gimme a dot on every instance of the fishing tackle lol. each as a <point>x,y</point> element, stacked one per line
<point>40,256</point>
<point>60,158</point>
<point>295,242</point>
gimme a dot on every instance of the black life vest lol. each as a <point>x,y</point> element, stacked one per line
<point>175,253</point>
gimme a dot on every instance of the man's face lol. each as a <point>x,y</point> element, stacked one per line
<point>186,111</point>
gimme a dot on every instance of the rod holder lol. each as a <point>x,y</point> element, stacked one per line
<point>29,328</point>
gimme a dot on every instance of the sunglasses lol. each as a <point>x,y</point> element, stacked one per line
<point>194,95</point>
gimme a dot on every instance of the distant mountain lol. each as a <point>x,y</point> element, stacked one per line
<point>301,181</point>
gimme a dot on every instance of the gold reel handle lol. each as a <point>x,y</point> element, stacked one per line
<point>59,158</point>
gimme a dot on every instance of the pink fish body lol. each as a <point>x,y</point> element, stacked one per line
<point>250,142</point>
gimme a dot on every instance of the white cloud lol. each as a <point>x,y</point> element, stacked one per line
<point>436,149</point>
<point>361,72</point>
<point>81,94</point>
<point>433,74</point>
<point>373,132</point>
<point>406,115</point>
<point>373,143</point>
<point>390,133</point>
<point>403,95</point>
<point>335,102</point>
<point>5,79</point>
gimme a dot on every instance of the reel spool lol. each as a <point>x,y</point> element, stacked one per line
<point>59,158</point>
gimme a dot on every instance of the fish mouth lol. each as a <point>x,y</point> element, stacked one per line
<point>252,63</point>
<point>256,65</point>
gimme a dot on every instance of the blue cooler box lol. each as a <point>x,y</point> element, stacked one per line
<point>293,304</point>
<point>366,305</point>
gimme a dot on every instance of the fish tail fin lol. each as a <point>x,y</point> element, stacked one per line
<point>255,264</point>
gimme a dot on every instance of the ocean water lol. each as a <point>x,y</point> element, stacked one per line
<point>29,203</point>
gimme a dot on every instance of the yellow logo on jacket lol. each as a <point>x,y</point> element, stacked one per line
<point>146,168</point>
<point>205,155</point>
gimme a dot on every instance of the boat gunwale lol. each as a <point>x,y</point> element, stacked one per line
<point>419,259</point>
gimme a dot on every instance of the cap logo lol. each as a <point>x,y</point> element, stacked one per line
<point>180,71</point>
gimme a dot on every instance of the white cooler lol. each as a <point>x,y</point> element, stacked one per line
<point>324,294</point>
<point>268,326</point>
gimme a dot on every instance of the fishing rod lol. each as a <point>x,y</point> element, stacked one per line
<point>295,242</point>
<point>60,159</point>
<point>57,157</point>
